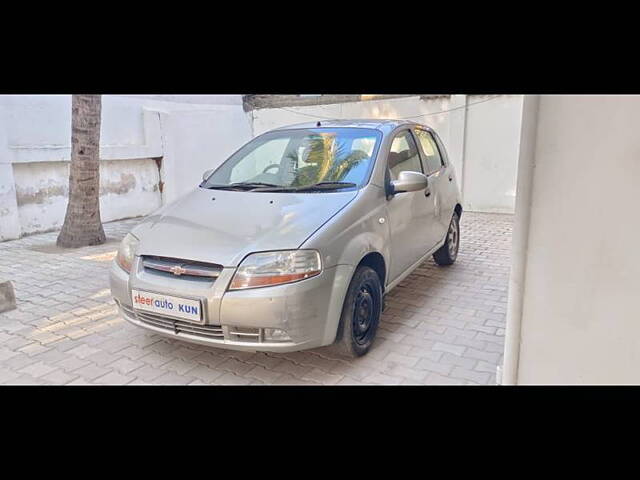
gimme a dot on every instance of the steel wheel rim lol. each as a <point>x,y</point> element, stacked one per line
<point>453,237</point>
<point>364,314</point>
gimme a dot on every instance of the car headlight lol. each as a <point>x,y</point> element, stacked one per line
<point>276,268</point>
<point>127,251</point>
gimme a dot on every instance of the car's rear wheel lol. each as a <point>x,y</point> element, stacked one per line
<point>448,253</point>
<point>360,313</point>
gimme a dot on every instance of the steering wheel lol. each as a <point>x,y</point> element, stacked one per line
<point>273,165</point>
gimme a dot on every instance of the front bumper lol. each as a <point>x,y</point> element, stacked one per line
<point>308,310</point>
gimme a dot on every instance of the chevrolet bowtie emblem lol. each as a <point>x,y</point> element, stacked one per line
<point>178,270</point>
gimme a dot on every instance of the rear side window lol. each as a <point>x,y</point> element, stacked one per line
<point>403,155</point>
<point>430,149</point>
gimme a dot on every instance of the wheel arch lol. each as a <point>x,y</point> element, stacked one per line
<point>375,260</point>
<point>458,210</point>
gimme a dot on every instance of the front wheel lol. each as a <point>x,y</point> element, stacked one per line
<point>448,252</point>
<point>360,313</point>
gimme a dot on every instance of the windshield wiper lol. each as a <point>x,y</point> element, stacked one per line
<point>316,187</point>
<point>269,187</point>
<point>326,186</point>
<point>242,185</point>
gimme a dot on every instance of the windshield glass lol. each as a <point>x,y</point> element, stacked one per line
<point>295,159</point>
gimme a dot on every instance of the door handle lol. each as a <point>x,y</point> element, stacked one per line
<point>427,193</point>
<point>450,179</point>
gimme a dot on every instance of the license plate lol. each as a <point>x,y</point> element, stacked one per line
<point>184,308</point>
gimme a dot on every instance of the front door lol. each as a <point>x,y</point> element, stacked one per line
<point>411,214</point>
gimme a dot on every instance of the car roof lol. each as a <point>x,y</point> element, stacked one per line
<point>384,125</point>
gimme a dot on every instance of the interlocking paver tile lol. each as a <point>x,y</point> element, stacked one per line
<point>442,325</point>
<point>447,347</point>
<point>320,376</point>
<point>413,374</point>
<point>437,367</point>
<point>133,352</point>
<point>474,376</point>
<point>147,373</point>
<point>71,363</point>
<point>155,359</point>
<point>172,378</point>
<point>382,379</point>
<point>6,375</point>
<point>59,377</point>
<point>232,379</point>
<point>235,366</point>
<point>437,379</point>
<point>397,359</point>
<point>211,360</point>
<point>178,365</point>
<point>91,371</point>
<point>37,369</point>
<point>480,355</point>
<point>454,360</point>
<point>205,374</point>
<point>262,374</point>
<point>485,367</point>
<point>6,353</point>
<point>114,378</point>
<point>349,381</point>
<point>24,380</point>
<point>125,365</point>
<point>19,361</point>
<point>83,350</point>
<point>287,379</point>
<point>357,372</point>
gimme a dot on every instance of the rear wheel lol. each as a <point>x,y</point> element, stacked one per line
<point>360,313</point>
<point>448,253</point>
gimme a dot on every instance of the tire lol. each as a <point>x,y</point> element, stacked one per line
<point>360,314</point>
<point>448,252</point>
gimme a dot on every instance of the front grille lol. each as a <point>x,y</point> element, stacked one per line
<point>235,333</point>
<point>178,326</point>
<point>244,334</point>
<point>181,268</point>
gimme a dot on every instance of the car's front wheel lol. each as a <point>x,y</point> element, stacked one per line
<point>360,313</point>
<point>448,253</point>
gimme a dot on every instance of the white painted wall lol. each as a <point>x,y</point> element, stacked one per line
<point>193,133</point>
<point>481,135</point>
<point>199,140</point>
<point>188,133</point>
<point>580,321</point>
<point>491,148</point>
<point>128,188</point>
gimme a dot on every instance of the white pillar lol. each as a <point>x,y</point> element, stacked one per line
<point>457,132</point>
<point>9,219</point>
<point>520,242</point>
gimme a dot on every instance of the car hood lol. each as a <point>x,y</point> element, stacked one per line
<point>222,227</point>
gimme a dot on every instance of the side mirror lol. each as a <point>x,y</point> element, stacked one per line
<point>207,174</point>
<point>410,182</point>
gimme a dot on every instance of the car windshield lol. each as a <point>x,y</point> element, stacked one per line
<point>320,159</point>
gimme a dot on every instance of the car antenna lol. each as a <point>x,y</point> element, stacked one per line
<point>318,124</point>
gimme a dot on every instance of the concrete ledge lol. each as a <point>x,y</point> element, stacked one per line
<point>7,296</point>
<point>251,102</point>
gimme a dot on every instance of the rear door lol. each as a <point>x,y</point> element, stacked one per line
<point>439,179</point>
<point>411,214</point>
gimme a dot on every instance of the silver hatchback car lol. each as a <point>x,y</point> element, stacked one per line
<point>294,240</point>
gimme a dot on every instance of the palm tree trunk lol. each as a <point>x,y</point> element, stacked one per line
<point>82,225</point>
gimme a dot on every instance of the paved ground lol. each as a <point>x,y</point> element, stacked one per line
<point>441,326</point>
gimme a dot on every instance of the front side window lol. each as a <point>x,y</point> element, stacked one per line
<point>295,159</point>
<point>403,155</point>
<point>430,149</point>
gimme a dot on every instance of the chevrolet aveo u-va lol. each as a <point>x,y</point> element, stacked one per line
<point>294,240</point>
